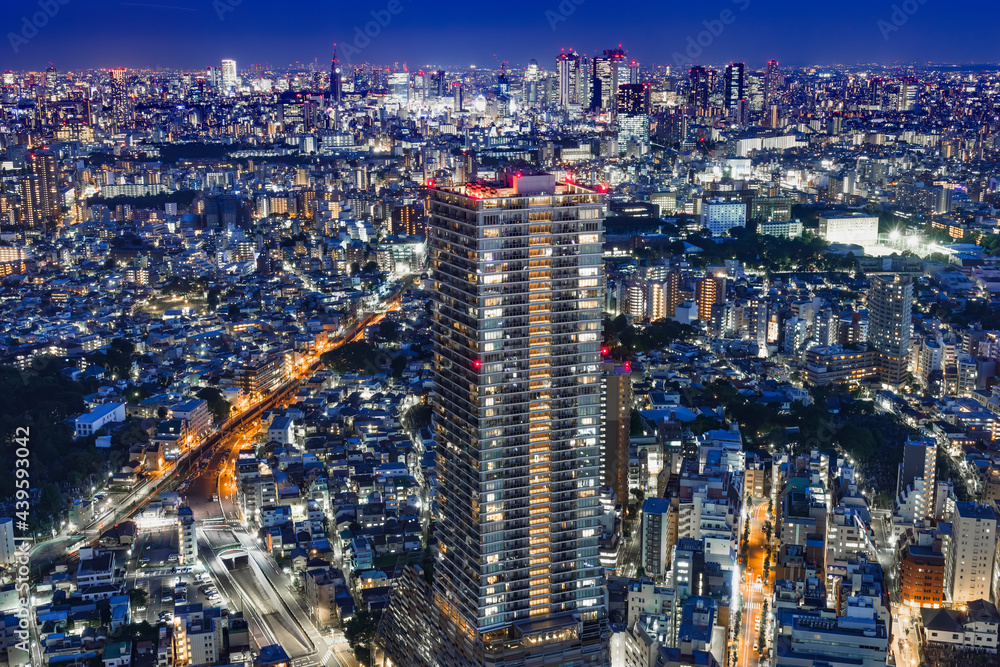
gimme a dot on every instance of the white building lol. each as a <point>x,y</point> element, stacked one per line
<point>229,78</point>
<point>973,549</point>
<point>848,227</point>
<point>187,536</point>
<point>7,546</point>
<point>719,215</point>
<point>93,421</point>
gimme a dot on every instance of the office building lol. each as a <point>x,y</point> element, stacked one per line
<point>457,92</point>
<point>718,215</point>
<point>890,303</point>
<point>568,70</point>
<point>700,86</point>
<point>735,94</point>
<point>858,638</point>
<point>616,394</point>
<point>709,291</point>
<point>517,406</point>
<point>229,79</point>
<point>121,105</point>
<point>609,71</point>
<point>848,227</point>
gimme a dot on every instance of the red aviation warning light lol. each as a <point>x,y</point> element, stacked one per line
<point>430,182</point>
<point>628,366</point>
<point>477,364</point>
<point>605,351</point>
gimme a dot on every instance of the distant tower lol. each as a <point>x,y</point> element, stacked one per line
<point>698,97</point>
<point>770,83</point>
<point>734,90</point>
<point>568,69</point>
<point>229,80</point>
<point>120,106</point>
<point>456,91</point>
<point>336,93</point>
<point>633,72</point>
<point>43,165</point>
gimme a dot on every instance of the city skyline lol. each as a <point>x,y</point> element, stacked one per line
<point>191,34</point>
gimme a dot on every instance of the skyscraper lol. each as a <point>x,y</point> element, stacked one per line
<point>229,80</point>
<point>43,165</point>
<point>336,92</point>
<point>32,210</point>
<point>770,83</point>
<point>606,78</point>
<point>616,426</point>
<point>121,108</point>
<point>699,80</point>
<point>890,304</point>
<point>516,332</point>
<point>568,69</point>
<point>734,93</point>
<point>456,91</point>
<point>531,77</point>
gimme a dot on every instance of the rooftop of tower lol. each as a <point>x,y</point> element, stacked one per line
<point>515,184</point>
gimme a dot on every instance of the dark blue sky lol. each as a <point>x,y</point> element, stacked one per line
<point>190,33</point>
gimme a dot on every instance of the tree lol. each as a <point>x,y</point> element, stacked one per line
<point>216,403</point>
<point>398,365</point>
<point>138,597</point>
<point>419,416</point>
<point>358,356</point>
<point>213,298</point>
<point>360,632</point>
<point>761,636</point>
<point>388,331</point>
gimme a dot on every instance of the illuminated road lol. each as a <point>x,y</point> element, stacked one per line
<point>754,590</point>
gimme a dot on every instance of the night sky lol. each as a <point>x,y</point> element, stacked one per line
<point>190,34</point>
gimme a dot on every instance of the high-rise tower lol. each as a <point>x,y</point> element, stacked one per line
<point>121,108</point>
<point>568,69</point>
<point>229,78</point>
<point>734,92</point>
<point>890,305</point>
<point>770,83</point>
<point>699,80</point>
<point>518,290</point>
<point>336,91</point>
<point>43,165</point>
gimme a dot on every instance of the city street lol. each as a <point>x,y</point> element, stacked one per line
<point>755,590</point>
